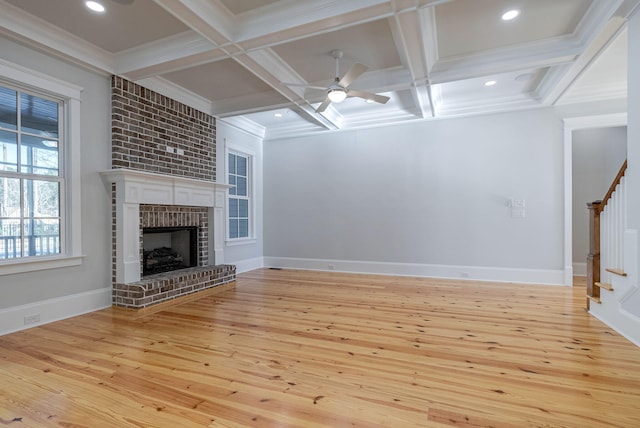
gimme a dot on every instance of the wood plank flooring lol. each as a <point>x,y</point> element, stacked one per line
<point>322,349</point>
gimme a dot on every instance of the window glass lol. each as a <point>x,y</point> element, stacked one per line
<point>232,181</point>
<point>38,155</point>
<point>239,196</point>
<point>30,176</point>
<point>243,208</point>
<point>8,151</point>
<point>241,186</point>
<point>241,165</point>
<point>9,199</point>
<point>233,207</point>
<point>38,116</point>
<point>8,108</point>
<point>233,228</point>
<point>42,198</point>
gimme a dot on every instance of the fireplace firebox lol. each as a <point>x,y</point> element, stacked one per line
<point>169,248</point>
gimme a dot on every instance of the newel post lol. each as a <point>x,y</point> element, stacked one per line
<point>593,258</point>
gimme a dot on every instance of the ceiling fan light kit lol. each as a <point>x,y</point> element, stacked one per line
<point>337,95</point>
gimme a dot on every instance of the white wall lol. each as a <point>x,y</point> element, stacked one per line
<point>597,156</point>
<point>426,198</point>
<point>58,293</point>
<point>246,255</point>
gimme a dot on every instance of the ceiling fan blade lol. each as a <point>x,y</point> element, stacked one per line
<point>322,107</point>
<point>322,88</point>
<point>354,72</point>
<point>368,96</point>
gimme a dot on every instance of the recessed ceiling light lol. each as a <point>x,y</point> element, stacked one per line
<point>369,101</point>
<point>508,16</point>
<point>490,83</point>
<point>94,6</point>
<point>278,115</point>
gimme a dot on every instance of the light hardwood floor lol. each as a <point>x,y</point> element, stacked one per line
<point>317,349</point>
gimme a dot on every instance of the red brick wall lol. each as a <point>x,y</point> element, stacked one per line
<point>144,123</point>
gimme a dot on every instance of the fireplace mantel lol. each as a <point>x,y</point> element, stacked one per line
<point>140,187</point>
<point>143,187</point>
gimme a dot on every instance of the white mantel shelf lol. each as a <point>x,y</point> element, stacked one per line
<point>143,187</point>
<point>134,188</point>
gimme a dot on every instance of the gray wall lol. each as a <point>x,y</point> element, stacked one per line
<point>95,272</point>
<point>597,155</point>
<point>433,193</point>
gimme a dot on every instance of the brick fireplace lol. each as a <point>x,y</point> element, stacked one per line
<point>163,175</point>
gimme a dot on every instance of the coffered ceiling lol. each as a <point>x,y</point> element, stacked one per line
<point>432,58</point>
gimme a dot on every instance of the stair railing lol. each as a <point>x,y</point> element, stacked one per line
<point>606,233</point>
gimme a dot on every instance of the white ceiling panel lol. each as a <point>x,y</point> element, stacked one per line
<point>468,26</point>
<point>219,80</point>
<point>311,58</point>
<point>122,26</point>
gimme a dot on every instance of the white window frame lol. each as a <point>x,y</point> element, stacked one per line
<point>244,152</point>
<point>70,202</point>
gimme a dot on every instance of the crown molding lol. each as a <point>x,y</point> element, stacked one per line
<point>245,125</point>
<point>178,93</point>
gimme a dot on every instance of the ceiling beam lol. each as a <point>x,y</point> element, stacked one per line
<point>209,19</point>
<point>408,35</point>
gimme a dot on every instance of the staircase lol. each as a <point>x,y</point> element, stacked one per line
<point>613,295</point>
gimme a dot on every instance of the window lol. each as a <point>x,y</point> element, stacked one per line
<point>238,169</point>
<point>30,174</point>
<point>40,227</point>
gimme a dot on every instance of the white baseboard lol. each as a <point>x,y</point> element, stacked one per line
<point>610,313</point>
<point>580,269</point>
<point>529,276</point>
<point>248,264</point>
<point>46,311</point>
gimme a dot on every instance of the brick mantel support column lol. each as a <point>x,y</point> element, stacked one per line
<point>216,245</point>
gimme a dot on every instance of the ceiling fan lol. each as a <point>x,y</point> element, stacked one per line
<point>338,90</point>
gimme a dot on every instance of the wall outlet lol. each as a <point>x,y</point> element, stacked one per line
<point>169,149</point>
<point>464,274</point>
<point>30,319</point>
<point>331,267</point>
<point>180,152</point>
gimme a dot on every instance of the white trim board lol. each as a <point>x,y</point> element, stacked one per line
<point>619,320</point>
<point>479,273</point>
<point>579,269</point>
<point>248,264</point>
<point>13,319</point>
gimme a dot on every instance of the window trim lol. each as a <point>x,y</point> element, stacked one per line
<point>70,209</point>
<point>250,155</point>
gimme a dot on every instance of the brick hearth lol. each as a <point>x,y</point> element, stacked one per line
<point>162,287</point>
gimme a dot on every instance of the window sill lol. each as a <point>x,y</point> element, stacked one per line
<point>33,265</point>
<point>241,241</point>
